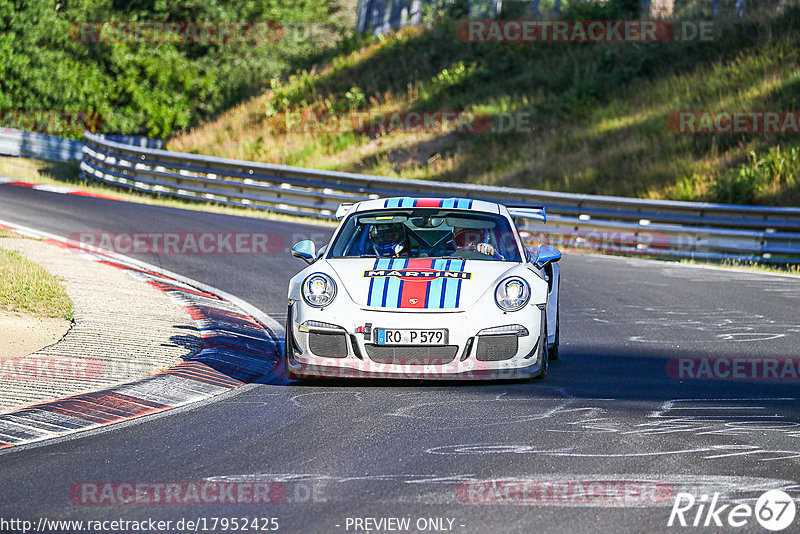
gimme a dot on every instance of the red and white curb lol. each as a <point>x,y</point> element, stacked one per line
<point>240,345</point>
<point>61,189</point>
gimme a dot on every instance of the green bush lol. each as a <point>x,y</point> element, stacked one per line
<point>778,169</point>
<point>594,10</point>
<point>145,88</point>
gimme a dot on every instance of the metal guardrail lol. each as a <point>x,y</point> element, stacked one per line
<point>36,145</point>
<point>617,224</point>
<point>638,226</point>
<point>24,144</point>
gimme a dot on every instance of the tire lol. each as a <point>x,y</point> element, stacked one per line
<point>287,347</point>
<point>544,354</point>
<point>554,348</point>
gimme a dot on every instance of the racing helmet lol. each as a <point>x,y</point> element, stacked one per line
<point>386,237</point>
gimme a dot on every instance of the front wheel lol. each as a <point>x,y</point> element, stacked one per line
<point>287,347</point>
<point>554,348</point>
<point>544,354</point>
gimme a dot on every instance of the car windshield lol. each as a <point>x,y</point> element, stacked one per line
<point>426,233</point>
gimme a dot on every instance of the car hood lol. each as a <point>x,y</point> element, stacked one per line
<point>438,284</point>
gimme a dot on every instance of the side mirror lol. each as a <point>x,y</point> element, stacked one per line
<point>305,250</point>
<point>547,254</point>
<point>321,251</point>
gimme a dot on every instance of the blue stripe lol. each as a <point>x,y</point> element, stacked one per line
<point>434,297</point>
<point>408,202</point>
<point>385,291</point>
<point>399,294</point>
<point>449,203</point>
<point>458,291</point>
<point>463,204</point>
<point>394,285</point>
<point>377,285</point>
<point>392,203</point>
<point>372,284</point>
<point>443,290</point>
<point>452,286</point>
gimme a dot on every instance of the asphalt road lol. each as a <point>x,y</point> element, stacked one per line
<point>612,408</point>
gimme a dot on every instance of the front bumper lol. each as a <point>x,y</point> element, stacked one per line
<point>346,353</point>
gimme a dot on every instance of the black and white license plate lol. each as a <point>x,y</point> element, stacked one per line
<point>407,336</point>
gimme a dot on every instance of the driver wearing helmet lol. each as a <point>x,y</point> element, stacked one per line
<point>389,239</point>
<point>473,239</point>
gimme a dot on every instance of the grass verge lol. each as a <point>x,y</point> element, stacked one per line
<point>749,266</point>
<point>26,287</point>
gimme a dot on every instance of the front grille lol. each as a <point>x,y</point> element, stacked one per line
<point>328,345</point>
<point>496,348</point>
<point>412,355</point>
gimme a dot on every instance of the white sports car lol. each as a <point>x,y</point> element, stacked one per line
<point>424,288</point>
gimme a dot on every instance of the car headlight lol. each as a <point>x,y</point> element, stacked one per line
<point>319,290</point>
<point>512,294</point>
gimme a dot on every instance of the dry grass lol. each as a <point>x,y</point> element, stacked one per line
<point>617,143</point>
<point>26,287</point>
<point>750,266</point>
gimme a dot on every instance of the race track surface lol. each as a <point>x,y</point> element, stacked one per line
<point>613,408</point>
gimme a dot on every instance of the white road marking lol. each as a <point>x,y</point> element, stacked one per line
<point>54,188</point>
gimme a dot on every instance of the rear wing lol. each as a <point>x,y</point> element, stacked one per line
<point>529,212</point>
<point>342,210</point>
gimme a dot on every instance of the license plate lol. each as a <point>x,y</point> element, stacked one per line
<point>392,336</point>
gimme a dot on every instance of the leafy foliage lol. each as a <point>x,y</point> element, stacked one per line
<point>598,112</point>
<point>778,167</point>
<point>150,88</point>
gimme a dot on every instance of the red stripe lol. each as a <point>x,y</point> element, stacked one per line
<point>4,445</point>
<point>75,192</point>
<point>203,373</point>
<point>415,291</point>
<point>59,244</point>
<point>429,202</point>
<point>103,407</point>
<point>162,286</point>
<point>93,195</point>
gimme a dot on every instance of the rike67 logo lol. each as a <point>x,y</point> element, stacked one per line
<point>774,510</point>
